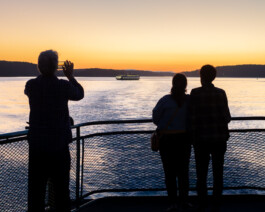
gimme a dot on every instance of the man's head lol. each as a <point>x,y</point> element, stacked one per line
<point>207,74</point>
<point>48,62</point>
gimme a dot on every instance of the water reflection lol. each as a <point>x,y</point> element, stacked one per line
<point>111,99</point>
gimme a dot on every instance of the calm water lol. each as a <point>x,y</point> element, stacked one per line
<point>128,163</point>
<point>110,99</point>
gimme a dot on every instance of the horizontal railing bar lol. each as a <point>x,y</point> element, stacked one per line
<point>9,136</point>
<point>13,140</point>
<point>163,189</point>
<point>13,134</point>
<point>247,130</point>
<point>245,187</point>
<point>117,133</point>
<point>23,133</point>
<point>248,118</point>
<point>121,190</point>
<point>6,140</point>
<point>129,121</point>
<point>151,131</point>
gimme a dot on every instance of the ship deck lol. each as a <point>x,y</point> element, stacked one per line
<point>242,203</point>
<point>108,157</point>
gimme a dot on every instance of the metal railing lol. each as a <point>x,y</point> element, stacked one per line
<point>115,160</point>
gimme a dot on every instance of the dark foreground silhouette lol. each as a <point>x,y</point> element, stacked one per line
<point>49,132</point>
<point>209,122</point>
<point>170,116</point>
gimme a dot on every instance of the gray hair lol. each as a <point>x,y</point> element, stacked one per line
<point>48,62</point>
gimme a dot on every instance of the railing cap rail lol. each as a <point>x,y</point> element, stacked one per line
<point>127,121</point>
<point>13,134</point>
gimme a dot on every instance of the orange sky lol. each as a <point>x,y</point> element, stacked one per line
<point>141,34</point>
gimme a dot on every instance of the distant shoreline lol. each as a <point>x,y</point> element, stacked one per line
<point>140,77</point>
<point>14,69</point>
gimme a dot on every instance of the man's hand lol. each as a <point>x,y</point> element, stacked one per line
<point>68,69</point>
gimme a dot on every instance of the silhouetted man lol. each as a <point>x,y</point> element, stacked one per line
<point>50,132</point>
<point>210,116</point>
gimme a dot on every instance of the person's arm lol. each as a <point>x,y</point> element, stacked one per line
<point>192,110</point>
<point>192,115</point>
<point>27,89</point>
<point>76,91</point>
<point>226,109</point>
<point>158,111</point>
<point>188,118</point>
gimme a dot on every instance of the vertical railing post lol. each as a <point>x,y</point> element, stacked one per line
<point>77,167</point>
<point>82,166</point>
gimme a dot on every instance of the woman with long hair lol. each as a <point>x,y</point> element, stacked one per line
<point>170,116</point>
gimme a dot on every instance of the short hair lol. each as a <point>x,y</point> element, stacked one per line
<point>208,73</point>
<point>48,62</point>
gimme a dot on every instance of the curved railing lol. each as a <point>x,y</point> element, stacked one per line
<point>115,156</point>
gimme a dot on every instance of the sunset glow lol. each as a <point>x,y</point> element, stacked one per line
<point>141,34</point>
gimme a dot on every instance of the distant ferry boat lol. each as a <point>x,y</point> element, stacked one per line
<point>128,77</point>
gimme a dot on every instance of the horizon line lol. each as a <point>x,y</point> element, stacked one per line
<point>128,69</point>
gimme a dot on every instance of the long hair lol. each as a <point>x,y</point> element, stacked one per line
<point>178,90</point>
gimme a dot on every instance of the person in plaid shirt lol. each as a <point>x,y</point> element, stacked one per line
<point>50,132</point>
<point>210,116</point>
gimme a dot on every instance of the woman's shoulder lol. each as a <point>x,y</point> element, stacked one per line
<point>163,101</point>
<point>169,98</point>
<point>166,98</point>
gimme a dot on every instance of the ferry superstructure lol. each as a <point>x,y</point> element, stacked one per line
<point>128,77</point>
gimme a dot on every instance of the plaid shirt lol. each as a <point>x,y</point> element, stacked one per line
<point>210,114</point>
<point>49,115</point>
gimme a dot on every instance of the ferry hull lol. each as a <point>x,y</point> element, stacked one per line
<point>128,77</point>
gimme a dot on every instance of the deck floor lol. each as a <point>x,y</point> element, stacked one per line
<point>243,203</point>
